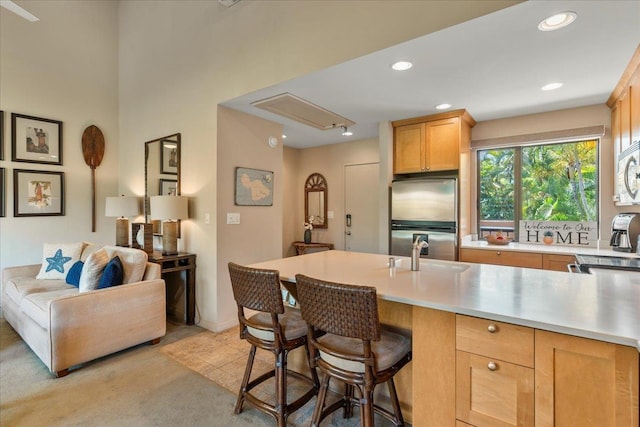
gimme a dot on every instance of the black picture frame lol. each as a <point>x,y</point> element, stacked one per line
<point>3,194</point>
<point>36,140</point>
<point>169,159</point>
<point>1,135</point>
<point>168,187</point>
<point>38,193</point>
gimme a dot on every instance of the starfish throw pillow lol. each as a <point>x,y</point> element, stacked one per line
<point>58,258</point>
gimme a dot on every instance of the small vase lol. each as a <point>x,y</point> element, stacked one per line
<point>307,236</point>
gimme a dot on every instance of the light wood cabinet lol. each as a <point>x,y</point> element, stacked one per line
<point>431,143</point>
<point>624,102</point>
<point>500,257</point>
<point>582,382</point>
<point>564,380</point>
<point>557,262</point>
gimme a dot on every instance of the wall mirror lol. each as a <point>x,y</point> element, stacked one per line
<point>315,200</point>
<point>161,171</point>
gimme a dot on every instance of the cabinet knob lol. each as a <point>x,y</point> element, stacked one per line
<point>492,366</point>
<point>498,253</point>
<point>492,328</point>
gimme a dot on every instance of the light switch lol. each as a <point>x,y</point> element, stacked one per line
<point>330,214</point>
<point>233,218</point>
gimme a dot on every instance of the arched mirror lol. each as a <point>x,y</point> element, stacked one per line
<point>315,201</point>
<point>161,170</point>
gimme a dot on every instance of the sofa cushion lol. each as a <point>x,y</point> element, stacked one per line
<point>36,305</point>
<point>92,270</point>
<point>88,249</point>
<point>18,287</point>
<point>73,277</point>
<point>57,259</point>
<point>112,274</point>
<point>134,262</point>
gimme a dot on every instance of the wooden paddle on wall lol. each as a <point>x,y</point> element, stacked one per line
<point>93,151</point>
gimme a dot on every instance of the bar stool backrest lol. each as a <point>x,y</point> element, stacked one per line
<point>256,289</point>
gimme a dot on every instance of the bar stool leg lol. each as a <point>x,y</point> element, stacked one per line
<point>347,411</point>
<point>366,407</point>
<point>394,402</point>
<point>281,387</point>
<point>245,380</point>
<point>322,394</point>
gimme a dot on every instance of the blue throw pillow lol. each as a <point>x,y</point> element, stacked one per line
<point>73,276</point>
<point>112,274</point>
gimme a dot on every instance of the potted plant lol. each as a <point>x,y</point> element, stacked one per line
<point>548,237</point>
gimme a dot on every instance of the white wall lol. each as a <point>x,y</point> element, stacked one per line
<point>63,67</point>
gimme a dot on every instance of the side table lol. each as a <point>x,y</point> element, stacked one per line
<point>301,247</point>
<point>183,261</point>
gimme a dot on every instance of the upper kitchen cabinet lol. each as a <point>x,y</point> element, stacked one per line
<point>431,143</point>
<point>625,106</point>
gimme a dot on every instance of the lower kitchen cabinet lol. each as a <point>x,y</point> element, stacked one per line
<point>557,262</point>
<point>582,382</point>
<point>501,257</point>
<point>564,381</point>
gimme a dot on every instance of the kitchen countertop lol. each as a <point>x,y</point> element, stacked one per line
<point>468,243</point>
<point>604,307</point>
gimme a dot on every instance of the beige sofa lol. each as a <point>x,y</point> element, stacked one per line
<point>65,327</point>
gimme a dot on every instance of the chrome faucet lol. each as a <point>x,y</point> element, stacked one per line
<point>418,244</point>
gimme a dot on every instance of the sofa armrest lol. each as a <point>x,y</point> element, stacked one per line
<point>93,324</point>
<point>23,270</point>
<point>153,271</point>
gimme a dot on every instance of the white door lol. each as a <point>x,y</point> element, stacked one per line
<point>361,207</point>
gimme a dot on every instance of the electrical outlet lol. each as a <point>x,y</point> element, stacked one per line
<point>330,214</point>
<point>207,218</point>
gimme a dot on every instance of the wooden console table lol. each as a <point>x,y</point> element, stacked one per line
<point>181,262</point>
<point>301,247</point>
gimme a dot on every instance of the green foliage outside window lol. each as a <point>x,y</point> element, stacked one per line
<point>556,182</point>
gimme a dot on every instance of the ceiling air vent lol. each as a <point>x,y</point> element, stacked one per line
<point>302,111</point>
<point>228,3</point>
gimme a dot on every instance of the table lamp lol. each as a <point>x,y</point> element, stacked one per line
<point>122,207</point>
<point>170,209</point>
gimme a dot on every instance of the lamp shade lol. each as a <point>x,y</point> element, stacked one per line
<point>122,206</point>
<point>169,207</point>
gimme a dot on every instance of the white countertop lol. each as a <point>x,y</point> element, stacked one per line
<point>468,243</point>
<point>604,307</point>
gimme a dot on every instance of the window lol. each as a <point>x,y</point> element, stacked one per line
<point>545,182</point>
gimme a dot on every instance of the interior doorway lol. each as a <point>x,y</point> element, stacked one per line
<point>361,222</point>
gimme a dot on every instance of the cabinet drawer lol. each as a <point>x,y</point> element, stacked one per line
<point>502,341</point>
<point>493,393</point>
<point>557,262</point>
<point>498,257</point>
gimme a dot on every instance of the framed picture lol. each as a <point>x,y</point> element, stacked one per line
<point>36,140</point>
<point>168,187</point>
<point>169,157</point>
<point>3,193</point>
<point>1,135</point>
<point>38,193</point>
<point>254,187</point>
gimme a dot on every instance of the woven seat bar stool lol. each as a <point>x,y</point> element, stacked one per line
<point>273,329</point>
<point>354,349</point>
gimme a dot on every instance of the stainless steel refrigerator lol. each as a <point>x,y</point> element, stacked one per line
<point>425,207</point>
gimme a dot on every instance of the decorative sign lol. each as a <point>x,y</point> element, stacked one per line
<point>563,233</point>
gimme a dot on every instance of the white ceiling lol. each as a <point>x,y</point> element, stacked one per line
<point>493,66</point>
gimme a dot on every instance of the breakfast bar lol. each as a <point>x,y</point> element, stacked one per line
<point>527,325</point>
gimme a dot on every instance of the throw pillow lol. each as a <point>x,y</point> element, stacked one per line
<point>57,259</point>
<point>112,274</point>
<point>73,276</point>
<point>92,270</point>
<point>134,262</point>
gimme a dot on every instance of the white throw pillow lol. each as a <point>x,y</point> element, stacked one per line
<point>134,262</point>
<point>92,270</point>
<point>57,259</point>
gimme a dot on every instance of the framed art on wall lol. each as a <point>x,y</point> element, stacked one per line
<point>168,187</point>
<point>169,157</point>
<point>254,187</point>
<point>36,140</point>
<point>3,194</point>
<point>1,135</point>
<point>38,193</point>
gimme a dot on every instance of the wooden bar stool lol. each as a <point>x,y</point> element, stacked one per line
<point>273,329</point>
<point>354,349</point>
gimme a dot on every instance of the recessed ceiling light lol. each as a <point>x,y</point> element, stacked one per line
<point>443,106</point>
<point>401,65</point>
<point>551,86</point>
<point>284,136</point>
<point>557,21</point>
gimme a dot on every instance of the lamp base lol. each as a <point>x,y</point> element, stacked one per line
<point>169,238</point>
<point>122,232</point>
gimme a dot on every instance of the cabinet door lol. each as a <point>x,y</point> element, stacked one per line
<point>582,382</point>
<point>408,148</point>
<point>557,262</point>
<point>616,137</point>
<point>442,144</point>
<point>634,95</point>
<point>493,393</point>
<point>625,120</point>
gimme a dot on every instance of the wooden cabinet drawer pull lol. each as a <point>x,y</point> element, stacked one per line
<point>492,366</point>
<point>498,253</point>
<point>492,328</point>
